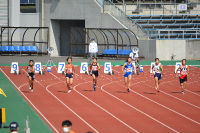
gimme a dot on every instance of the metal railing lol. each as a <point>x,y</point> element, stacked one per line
<point>160,7</point>
<point>173,34</point>
<point>124,18</point>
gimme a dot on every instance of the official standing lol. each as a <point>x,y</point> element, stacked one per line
<point>93,49</point>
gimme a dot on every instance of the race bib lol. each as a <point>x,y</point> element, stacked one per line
<point>183,73</point>
<point>129,70</point>
<point>69,70</point>
<point>94,68</point>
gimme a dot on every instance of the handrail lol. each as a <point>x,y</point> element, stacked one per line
<point>124,19</point>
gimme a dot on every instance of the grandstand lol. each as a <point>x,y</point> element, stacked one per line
<point>178,26</point>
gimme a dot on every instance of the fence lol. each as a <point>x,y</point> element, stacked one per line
<point>105,38</point>
<point>25,36</point>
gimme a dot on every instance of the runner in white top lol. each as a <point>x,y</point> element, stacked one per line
<point>158,68</point>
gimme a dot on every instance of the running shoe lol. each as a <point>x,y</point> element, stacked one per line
<point>128,90</point>
<point>29,87</point>
<point>158,90</point>
<point>32,89</point>
<point>69,91</point>
<point>182,92</point>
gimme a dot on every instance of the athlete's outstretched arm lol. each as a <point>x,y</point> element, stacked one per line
<point>177,71</point>
<point>98,66</point>
<point>25,70</point>
<point>123,67</point>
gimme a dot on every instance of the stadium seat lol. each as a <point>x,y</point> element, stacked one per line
<point>22,48</point>
<point>5,48</point>
<point>33,48</point>
<point>105,51</point>
<point>16,48</point>
<point>10,48</point>
<point>27,48</point>
<point>0,48</point>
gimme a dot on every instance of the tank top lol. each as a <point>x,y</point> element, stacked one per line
<point>29,69</point>
<point>183,71</point>
<point>94,67</point>
<point>128,67</point>
<point>157,68</point>
<point>69,68</point>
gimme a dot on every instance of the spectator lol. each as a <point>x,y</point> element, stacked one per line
<point>67,126</point>
<point>135,58</point>
<point>14,127</point>
<point>93,49</point>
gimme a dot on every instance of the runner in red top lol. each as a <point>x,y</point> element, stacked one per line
<point>184,71</point>
<point>69,70</point>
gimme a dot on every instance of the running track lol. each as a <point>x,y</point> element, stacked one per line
<point>111,108</point>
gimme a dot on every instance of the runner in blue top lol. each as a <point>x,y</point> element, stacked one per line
<point>127,71</point>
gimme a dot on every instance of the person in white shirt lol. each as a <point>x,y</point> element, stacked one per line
<point>135,57</point>
<point>93,49</point>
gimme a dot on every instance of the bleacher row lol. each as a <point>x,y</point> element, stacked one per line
<point>18,49</point>
<point>183,26</point>
<point>114,52</point>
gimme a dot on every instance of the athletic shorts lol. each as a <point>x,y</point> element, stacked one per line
<point>127,74</point>
<point>183,80</point>
<point>96,73</point>
<point>158,75</point>
<point>69,75</point>
<point>32,75</point>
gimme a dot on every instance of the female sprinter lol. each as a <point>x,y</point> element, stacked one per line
<point>93,69</point>
<point>184,71</point>
<point>31,74</point>
<point>127,71</point>
<point>69,70</point>
<point>158,68</point>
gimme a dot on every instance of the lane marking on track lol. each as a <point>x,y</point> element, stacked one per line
<point>175,96</point>
<point>69,107</point>
<point>30,102</point>
<point>101,107</point>
<point>163,106</point>
<point>136,108</point>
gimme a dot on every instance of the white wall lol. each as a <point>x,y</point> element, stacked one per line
<point>54,37</point>
<point>14,18</point>
<point>165,49</point>
<point>29,19</point>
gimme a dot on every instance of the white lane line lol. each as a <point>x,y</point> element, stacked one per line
<point>136,108</point>
<point>100,106</point>
<point>180,99</point>
<point>164,106</point>
<point>103,108</point>
<point>69,107</point>
<point>192,92</point>
<point>30,102</point>
<point>174,96</point>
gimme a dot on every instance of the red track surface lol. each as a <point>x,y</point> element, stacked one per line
<point>110,108</point>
